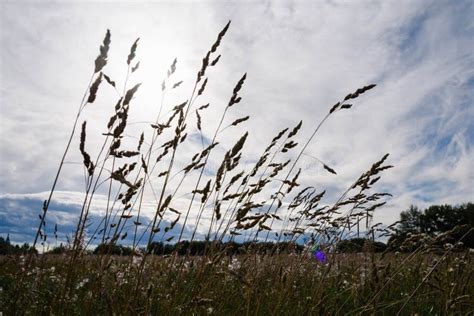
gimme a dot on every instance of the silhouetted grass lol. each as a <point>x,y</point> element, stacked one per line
<point>243,204</point>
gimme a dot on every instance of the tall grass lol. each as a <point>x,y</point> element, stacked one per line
<point>243,205</point>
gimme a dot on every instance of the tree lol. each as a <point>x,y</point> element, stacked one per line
<point>359,245</point>
<point>59,250</point>
<point>113,249</point>
<point>411,220</point>
<point>441,218</point>
<point>434,221</point>
<point>6,248</point>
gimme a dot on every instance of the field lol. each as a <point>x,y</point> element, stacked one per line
<point>188,175</point>
<point>244,285</point>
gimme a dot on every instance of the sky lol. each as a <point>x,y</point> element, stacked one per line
<point>301,57</point>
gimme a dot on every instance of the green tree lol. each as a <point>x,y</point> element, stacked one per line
<point>435,220</point>
<point>411,220</point>
<point>441,218</point>
<point>6,248</point>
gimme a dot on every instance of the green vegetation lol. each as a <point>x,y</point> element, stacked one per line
<point>6,248</point>
<point>246,284</point>
<point>436,225</point>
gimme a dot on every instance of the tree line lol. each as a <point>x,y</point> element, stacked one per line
<point>439,224</point>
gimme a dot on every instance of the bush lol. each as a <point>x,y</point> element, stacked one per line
<point>360,245</point>
<point>113,249</point>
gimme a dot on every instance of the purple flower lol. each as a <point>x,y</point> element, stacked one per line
<point>321,256</point>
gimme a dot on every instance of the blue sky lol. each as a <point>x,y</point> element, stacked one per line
<point>300,56</point>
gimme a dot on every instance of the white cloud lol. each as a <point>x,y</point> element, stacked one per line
<point>301,57</point>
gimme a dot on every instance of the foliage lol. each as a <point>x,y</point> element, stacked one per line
<point>59,250</point>
<point>247,284</point>
<point>359,245</point>
<point>438,224</point>
<point>199,248</point>
<point>410,220</point>
<point>6,248</point>
<point>113,249</point>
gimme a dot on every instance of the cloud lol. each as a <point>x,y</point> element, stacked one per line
<point>300,57</point>
<point>19,218</point>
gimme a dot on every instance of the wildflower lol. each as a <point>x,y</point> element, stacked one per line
<point>448,246</point>
<point>234,265</point>
<point>136,260</point>
<point>321,256</point>
<point>82,283</point>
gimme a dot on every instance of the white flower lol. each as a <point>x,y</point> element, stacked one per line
<point>82,283</point>
<point>448,246</point>
<point>136,260</point>
<point>235,264</point>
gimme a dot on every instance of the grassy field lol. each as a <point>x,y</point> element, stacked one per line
<point>218,192</point>
<point>243,285</point>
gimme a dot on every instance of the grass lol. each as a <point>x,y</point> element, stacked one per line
<point>258,203</point>
<point>253,284</point>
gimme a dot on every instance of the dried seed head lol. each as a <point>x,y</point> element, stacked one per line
<point>172,68</point>
<point>109,81</point>
<point>329,169</point>
<point>129,94</point>
<point>217,210</point>
<point>235,98</point>
<point>198,120</point>
<point>359,92</point>
<point>202,107</point>
<point>177,84</point>
<point>203,87</point>
<point>240,120</point>
<point>140,142</point>
<point>219,38</point>
<point>238,146</point>
<point>93,89</point>
<point>144,166</point>
<point>279,135</point>
<point>133,49</point>
<point>334,107</point>
<point>215,61</point>
<point>295,130</point>
<point>101,60</point>
<point>135,68</point>
<point>87,159</point>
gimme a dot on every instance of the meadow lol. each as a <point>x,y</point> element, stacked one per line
<point>348,284</point>
<point>264,203</point>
